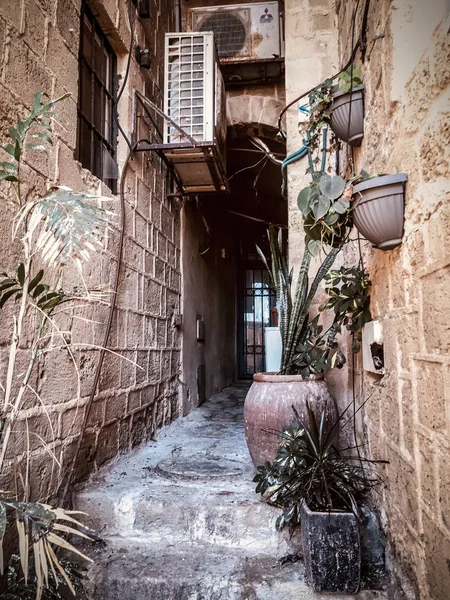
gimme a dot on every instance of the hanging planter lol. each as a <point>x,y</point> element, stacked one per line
<point>347,115</point>
<point>378,209</point>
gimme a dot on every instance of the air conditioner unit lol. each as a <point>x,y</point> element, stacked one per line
<point>194,101</point>
<point>243,32</point>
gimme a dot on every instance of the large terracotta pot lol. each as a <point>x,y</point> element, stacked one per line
<point>268,409</point>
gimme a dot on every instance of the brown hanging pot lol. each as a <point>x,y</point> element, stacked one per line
<point>379,208</point>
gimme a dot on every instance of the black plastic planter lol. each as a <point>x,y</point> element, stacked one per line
<point>331,551</point>
<point>347,116</point>
<point>378,210</point>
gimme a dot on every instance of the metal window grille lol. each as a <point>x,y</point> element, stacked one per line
<point>97,135</point>
<point>189,97</point>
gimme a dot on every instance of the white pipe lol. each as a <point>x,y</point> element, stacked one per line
<point>177,16</point>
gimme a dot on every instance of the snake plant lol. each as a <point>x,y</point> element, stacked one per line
<point>293,300</point>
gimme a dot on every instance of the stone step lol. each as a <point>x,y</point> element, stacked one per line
<point>226,513</point>
<point>173,571</point>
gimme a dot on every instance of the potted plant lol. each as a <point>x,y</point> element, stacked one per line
<point>268,403</point>
<point>325,206</point>
<point>322,488</point>
<point>378,209</point>
<point>347,107</point>
<point>340,105</point>
<point>308,351</point>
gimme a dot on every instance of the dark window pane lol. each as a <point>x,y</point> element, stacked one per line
<point>84,144</point>
<point>85,91</point>
<point>96,148</point>
<point>97,167</point>
<point>98,112</point>
<point>86,44</point>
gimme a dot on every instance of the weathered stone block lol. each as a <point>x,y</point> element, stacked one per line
<point>428,473</point>
<point>431,400</point>
<point>66,71</point>
<point>115,407</point>
<point>402,485</point>
<point>68,23</point>
<point>25,74</point>
<point>107,443</point>
<point>436,308</point>
<point>436,559</point>
<point>406,402</point>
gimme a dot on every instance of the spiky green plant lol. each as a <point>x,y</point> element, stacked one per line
<point>293,302</point>
<point>310,468</point>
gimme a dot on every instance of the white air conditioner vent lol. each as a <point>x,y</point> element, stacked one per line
<point>230,31</point>
<point>194,102</point>
<point>242,32</point>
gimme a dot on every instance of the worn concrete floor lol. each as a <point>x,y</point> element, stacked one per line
<point>181,520</point>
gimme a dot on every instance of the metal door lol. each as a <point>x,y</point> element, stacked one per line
<point>257,301</point>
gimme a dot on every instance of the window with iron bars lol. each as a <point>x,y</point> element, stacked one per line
<point>97,135</point>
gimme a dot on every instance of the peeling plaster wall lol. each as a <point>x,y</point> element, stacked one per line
<point>39,51</point>
<point>407,102</point>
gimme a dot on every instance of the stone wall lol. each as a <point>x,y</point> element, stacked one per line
<point>407,80</point>
<point>138,391</point>
<point>406,419</point>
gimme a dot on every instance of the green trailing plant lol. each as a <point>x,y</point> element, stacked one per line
<point>310,468</point>
<point>320,102</point>
<point>326,209</point>
<point>348,292</point>
<point>55,228</point>
<point>293,301</point>
<point>319,351</point>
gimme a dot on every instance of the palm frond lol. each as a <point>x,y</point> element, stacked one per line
<point>67,225</point>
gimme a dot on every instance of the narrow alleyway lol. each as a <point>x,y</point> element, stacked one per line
<point>181,520</point>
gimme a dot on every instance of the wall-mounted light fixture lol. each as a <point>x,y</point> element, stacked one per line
<point>143,57</point>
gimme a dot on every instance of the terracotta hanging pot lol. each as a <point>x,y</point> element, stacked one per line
<point>268,409</point>
<point>378,209</point>
<point>347,116</point>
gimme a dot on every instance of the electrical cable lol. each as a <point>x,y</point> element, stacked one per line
<point>124,82</point>
<point>65,485</point>
<point>64,488</point>
<point>359,43</point>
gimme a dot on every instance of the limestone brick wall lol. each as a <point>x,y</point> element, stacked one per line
<point>39,41</point>
<point>406,80</point>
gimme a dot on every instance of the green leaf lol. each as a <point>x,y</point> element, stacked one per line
<point>332,186</point>
<point>8,177</point>
<point>14,134</point>
<point>303,200</point>
<point>35,281</point>
<point>8,166</point>
<point>40,289</point>
<point>21,273</point>
<point>321,208</point>
<point>341,206</point>
<point>314,247</point>
<point>42,136</point>
<point>39,147</point>
<point>10,149</point>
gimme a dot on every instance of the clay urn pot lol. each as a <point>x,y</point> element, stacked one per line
<point>268,409</point>
<point>347,115</point>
